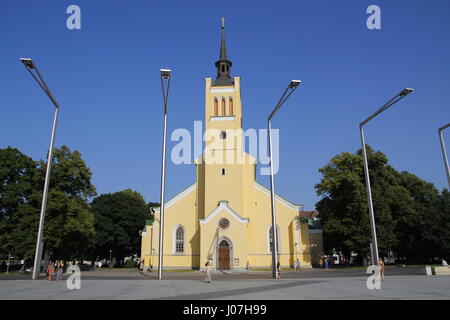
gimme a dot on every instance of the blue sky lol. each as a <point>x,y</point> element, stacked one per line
<point>106,79</point>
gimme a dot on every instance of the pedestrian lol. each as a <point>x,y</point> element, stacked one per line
<point>59,271</point>
<point>381,265</point>
<point>325,263</point>
<point>99,265</point>
<point>247,267</point>
<point>50,270</point>
<point>207,272</point>
<point>278,270</point>
<point>297,265</point>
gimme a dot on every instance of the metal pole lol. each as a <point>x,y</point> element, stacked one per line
<point>163,180</point>
<point>292,86</point>
<point>38,254</point>
<point>369,201</point>
<point>272,204</point>
<point>9,261</point>
<point>444,152</point>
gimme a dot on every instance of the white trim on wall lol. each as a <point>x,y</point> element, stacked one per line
<point>222,118</point>
<point>221,90</point>
<point>178,197</point>
<point>223,205</point>
<point>277,197</point>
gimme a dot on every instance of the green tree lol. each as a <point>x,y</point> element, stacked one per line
<point>151,207</point>
<point>69,224</point>
<point>17,173</point>
<point>118,219</point>
<point>343,207</point>
<point>436,231</point>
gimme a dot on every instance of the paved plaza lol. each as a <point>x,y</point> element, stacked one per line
<point>309,284</point>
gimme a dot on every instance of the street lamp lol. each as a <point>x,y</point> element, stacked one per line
<point>291,88</point>
<point>30,66</point>
<point>165,77</point>
<point>391,102</point>
<point>444,153</point>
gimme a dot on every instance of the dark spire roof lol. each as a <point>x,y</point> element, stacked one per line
<point>223,65</point>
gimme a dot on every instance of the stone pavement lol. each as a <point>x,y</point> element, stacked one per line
<point>302,287</point>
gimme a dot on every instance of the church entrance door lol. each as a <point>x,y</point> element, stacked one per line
<point>224,255</point>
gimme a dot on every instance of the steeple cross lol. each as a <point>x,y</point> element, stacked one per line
<point>223,22</point>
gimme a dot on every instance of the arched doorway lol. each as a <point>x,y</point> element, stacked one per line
<point>224,255</point>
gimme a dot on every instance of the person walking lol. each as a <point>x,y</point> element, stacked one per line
<point>207,272</point>
<point>278,270</point>
<point>297,265</point>
<point>59,271</point>
<point>247,267</point>
<point>381,264</point>
<point>50,270</point>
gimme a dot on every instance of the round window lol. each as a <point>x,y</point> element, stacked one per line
<point>224,223</point>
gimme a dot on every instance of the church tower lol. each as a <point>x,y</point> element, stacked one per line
<point>221,174</point>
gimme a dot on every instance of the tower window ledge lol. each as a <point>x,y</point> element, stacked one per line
<point>222,118</point>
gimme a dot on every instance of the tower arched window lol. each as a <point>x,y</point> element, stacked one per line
<point>179,240</point>
<point>230,106</point>
<point>223,107</point>
<point>216,108</point>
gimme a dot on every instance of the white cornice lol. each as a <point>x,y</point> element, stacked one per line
<point>223,205</point>
<point>219,90</point>
<point>222,118</point>
<point>277,197</point>
<point>178,197</point>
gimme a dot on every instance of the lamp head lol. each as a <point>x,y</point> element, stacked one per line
<point>27,62</point>
<point>406,91</point>
<point>294,84</point>
<point>165,73</point>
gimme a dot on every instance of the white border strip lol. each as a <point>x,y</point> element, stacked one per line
<point>277,197</point>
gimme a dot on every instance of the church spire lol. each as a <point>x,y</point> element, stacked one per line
<point>223,65</point>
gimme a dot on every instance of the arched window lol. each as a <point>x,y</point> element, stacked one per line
<point>216,108</point>
<point>223,106</point>
<point>179,240</point>
<point>271,239</point>
<point>230,106</point>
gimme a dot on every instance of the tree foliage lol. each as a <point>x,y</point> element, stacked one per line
<point>408,210</point>
<point>69,224</point>
<point>118,219</point>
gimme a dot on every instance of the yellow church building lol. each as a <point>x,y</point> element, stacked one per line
<point>225,216</point>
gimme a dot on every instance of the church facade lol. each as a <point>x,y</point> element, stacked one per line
<point>225,216</point>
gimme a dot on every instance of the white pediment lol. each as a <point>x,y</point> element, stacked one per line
<point>223,205</point>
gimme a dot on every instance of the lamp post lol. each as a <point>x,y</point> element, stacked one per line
<point>165,75</point>
<point>291,88</point>
<point>9,261</point>
<point>296,251</point>
<point>395,99</point>
<point>444,152</point>
<point>30,66</point>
